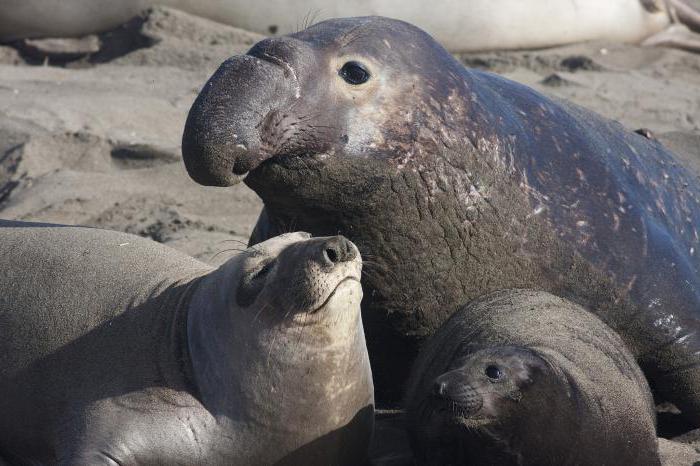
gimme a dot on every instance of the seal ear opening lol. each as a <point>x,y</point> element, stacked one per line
<point>252,283</point>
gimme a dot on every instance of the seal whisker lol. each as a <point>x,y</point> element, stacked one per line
<point>351,35</point>
<point>377,265</point>
<point>302,329</point>
<point>311,116</point>
<point>226,250</point>
<point>322,127</point>
<point>271,347</point>
<point>233,240</point>
<point>262,309</point>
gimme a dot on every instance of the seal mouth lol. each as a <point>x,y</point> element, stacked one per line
<point>459,416</point>
<point>332,294</point>
<point>289,160</point>
<point>461,410</point>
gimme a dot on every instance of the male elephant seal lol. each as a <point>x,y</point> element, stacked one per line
<point>460,25</point>
<point>455,183</point>
<point>117,350</point>
<point>527,378</point>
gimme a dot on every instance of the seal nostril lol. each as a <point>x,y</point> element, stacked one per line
<point>339,249</point>
<point>440,388</point>
<point>332,255</point>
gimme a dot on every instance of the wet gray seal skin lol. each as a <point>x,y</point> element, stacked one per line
<point>118,350</point>
<point>523,377</point>
<point>455,183</point>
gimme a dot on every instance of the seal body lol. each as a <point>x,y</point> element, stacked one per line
<point>458,25</point>
<point>526,378</point>
<point>455,183</point>
<point>117,350</point>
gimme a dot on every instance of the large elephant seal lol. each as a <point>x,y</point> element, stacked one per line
<point>460,25</point>
<point>526,378</point>
<point>455,183</point>
<point>117,350</point>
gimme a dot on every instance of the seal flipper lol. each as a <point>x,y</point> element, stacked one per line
<point>686,14</point>
<point>685,19</point>
<point>677,36</point>
<point>672,362</point>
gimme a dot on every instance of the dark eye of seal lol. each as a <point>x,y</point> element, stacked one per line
<point>264,270</point>
<point>493,372</point>
<point>251,284</point>
<point>354,73</point>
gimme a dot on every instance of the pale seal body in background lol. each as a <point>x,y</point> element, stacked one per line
<point>460,25</point>
<point>118,350</point>
<point>455,183</point>
<point>525,378</point>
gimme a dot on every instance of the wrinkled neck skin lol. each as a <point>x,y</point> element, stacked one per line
<point>274,387</point>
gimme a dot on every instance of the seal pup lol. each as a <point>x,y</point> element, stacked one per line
<point>118,350</point>
<point>460,25</point>
<point>456,183</point>
<point>523,377</point>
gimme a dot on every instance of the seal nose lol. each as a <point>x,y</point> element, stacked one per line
<point>440,388</point>
<point>338,249</point>
<point>454,388</point>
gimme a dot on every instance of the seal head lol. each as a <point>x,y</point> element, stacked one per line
<point>485,399</point>
<point>332,90</point>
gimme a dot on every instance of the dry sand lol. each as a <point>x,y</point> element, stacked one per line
<point>90,131</point>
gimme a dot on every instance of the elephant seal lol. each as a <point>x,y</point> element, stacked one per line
<point>118,350</point>
<point>461,26</point>
<point>523,377</point>
<point>455,183</point>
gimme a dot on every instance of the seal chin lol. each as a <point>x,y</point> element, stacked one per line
<point>348,290</point>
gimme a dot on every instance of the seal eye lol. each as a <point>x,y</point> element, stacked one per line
<point>354,73</point>
<point>264,270</point>
<point>493,372</point>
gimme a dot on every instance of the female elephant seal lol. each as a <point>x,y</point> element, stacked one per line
<point>455,183</point>
<point>526,378</point>
<point>117,350</point>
